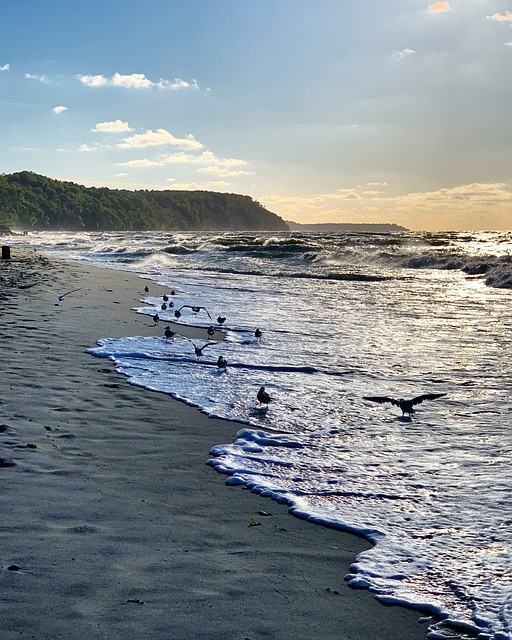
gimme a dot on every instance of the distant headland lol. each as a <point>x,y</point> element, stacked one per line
<point>340,227</point>
<point>32,201</point>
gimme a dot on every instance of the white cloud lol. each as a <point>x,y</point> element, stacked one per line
<point>158,138</point>
<point>86,148</point>
<point>120,175</point>
<point>5,67</point>
<point>400,55</point>
<point>94,81</point>
<point>112,126</point>
<point>439,7</point>
<point>500,17</point>
<point>187,158</point>
<point>139,163</point>
<point>177,84</point>
<point>135,81</point>
<point>205,158</point>
<point>43,79</point>
<point>508,44</point>
<point>222,171</point>
<point>59,109</point>
<point>195,186</point>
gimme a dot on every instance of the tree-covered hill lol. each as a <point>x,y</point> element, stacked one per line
<point>32,201</point>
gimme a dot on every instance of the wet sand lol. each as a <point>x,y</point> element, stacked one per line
<point>113,526</point>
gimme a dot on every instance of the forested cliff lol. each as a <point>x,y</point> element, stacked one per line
<point>32,201</point>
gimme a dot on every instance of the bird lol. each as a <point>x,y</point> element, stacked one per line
<point>163,306</point>
<point>405,405</point>
<point>61,296</point>
<point>169,333</point>
<point>211,332</point>
<point>177,313</point>
<point>165,298</point>
<point>199,350</point>
<point>156,318</point>
<point>146,289</point>
<point>263,397</point>
<point>221,320</point>
<point>194,309</point>
<point>222,363</point>
<point>173,293</point>
<point>258,334</point>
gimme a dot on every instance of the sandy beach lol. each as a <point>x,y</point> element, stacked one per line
<point>113,526</point>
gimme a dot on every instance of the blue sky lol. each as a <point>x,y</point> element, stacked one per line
<point>326,111</point>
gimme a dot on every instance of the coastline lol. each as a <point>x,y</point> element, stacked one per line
<point>118,526</point>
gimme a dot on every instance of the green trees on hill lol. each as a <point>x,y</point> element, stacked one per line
<point>32,201</point>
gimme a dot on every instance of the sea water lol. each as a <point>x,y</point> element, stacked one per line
<point>344,317</point>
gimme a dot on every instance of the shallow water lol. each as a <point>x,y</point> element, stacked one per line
<point>345,317</point>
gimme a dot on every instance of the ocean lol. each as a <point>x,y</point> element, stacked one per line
<point>344,317</point>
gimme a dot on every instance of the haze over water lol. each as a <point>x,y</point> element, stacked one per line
<point>343,317</point>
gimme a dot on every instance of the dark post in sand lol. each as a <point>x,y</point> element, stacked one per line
<point>6,252</point>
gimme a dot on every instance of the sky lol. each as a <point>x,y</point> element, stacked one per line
<point>343,111</point>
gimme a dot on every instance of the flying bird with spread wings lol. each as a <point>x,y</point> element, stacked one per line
<point>199,350</point>
<point>405,405</point>
<point>61,296</point>
<point>194,309</point>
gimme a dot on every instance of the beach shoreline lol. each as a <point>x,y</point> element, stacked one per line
<point>117,525</point>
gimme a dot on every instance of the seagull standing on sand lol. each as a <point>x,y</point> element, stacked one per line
<point>156,319</point>
<point>146,289</point>
<point>405,405</point>
<point>263,397</point>
<point>258,334</point>
<point>211,332</point>
<point>222,363</point>
<point>221,319</point>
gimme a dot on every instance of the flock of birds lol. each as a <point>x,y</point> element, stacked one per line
<point>262,396</point>
<point>264,399</point>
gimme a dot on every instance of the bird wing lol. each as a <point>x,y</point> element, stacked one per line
<point>206,312</point>
<point>72,291</point>
<point>184,306</point>
<point>381,399</point>
<point>427,396</point>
